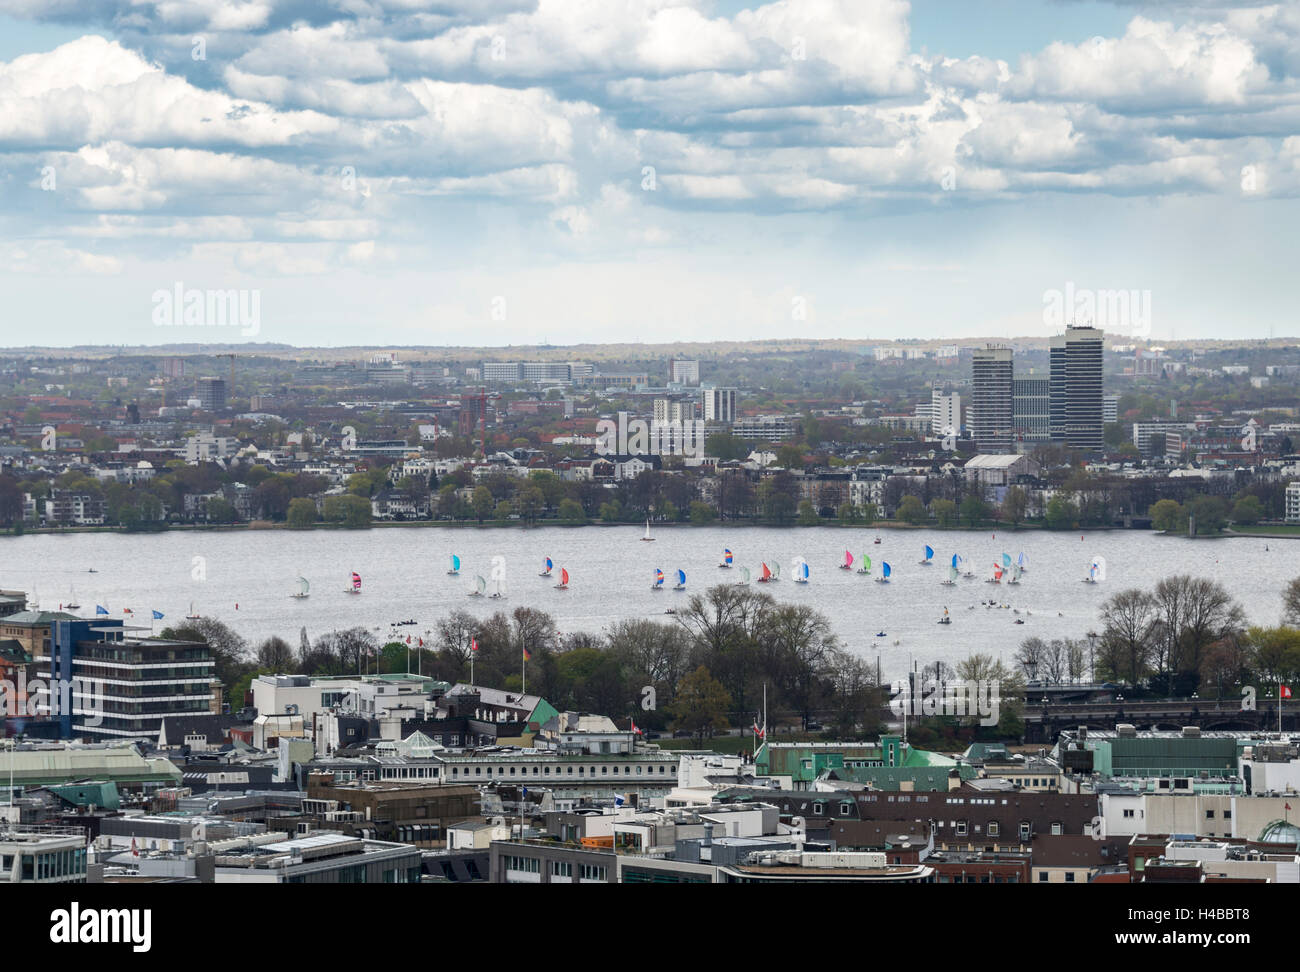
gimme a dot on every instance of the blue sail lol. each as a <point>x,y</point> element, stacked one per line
<point>954,561</point>
<point>681,576</point>
<point>885,568</point>
<point>1006,560</point>
<point>929,551</point>
<point>455,562</point>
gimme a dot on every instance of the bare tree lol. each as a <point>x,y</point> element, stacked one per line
<point>275,655</point>
<point>1129,629</point>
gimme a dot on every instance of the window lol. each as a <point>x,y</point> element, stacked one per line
<point>1024,830</point>
<point>995,828</point>
<point>846,808</point>
<point>561,869</point>
<point>961,828</point>
<point>1128,814</point>
<point>1069,877</point>
<point>818,809</point>
<point>1209,814</point>
<point>1042,876</point>
<point>1056,828</point>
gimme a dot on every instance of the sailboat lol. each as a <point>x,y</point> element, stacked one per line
<point>455,565</point>
<point>563,585</point>
<point>1022,562</point>
<point>997,574</point>
<point>497,589</point>
<point>929,556</point>
<point>776,571</point>
<point>766,576</point>
<point>304,589</point>
<point>877,540</point>
<point>647,537</point>
<point>1006,561</point>
<point>848,561</point>
<point>546,572</point>
<point>356,584</point>
<point>480,586</point>
<point>1092,573</point>
<point>866,565</point>
<point>658,584</point>
<point>963,562</point>
<point>885,571</point>
<point>681,580</point>
<point>726,559</point>
<point>801,576</point>
<point>72,604</point>
<point>192,616</point>
<point>945,619</point>
<point>952,578</point>
<point>744,575</point>
<point>1015,575</point>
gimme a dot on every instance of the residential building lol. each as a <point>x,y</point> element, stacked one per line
<point>719,404</point>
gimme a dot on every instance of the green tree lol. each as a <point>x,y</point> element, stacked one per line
<point>1168,515</point>
<point>702,514</point>
<point>945,512</point>
<point>974,510</point>
<point>912,510</point>
<point>302,513</point>
<point>1061,513</point>
<point>1015,506</point>
<point>701,705</point>
<point>482,503</point>
<point>1248,510</point>
<point>570,512</point>
<point>807,515</point>
<point>1211,513</point>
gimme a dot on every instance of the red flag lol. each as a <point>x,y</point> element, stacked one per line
<point>421,642</point>
<point>473,644</point>
<point>632,722</point>
<point>528,655</point>
<point>1286,692</point>
<point>408,639</point>
<point>135,851</point>
<point>1288,806</point>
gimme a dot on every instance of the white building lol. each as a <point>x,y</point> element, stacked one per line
<point>1293,502</point>
<point>682,372</point>
<point>719,404</point>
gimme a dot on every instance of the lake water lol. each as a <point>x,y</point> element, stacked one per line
<point>404,576</point>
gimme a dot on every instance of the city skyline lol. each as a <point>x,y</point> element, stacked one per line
<point>650,172</point>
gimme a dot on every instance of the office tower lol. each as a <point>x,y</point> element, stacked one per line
<point>719,404</point>
<point>1031,407</point>
<point>212,394</point>
<point>991,410</point>
<point>1076,399</point>
<point>682,372</point>
<point>1109,409</point>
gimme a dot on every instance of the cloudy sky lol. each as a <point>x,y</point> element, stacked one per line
<point>519,171</point>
